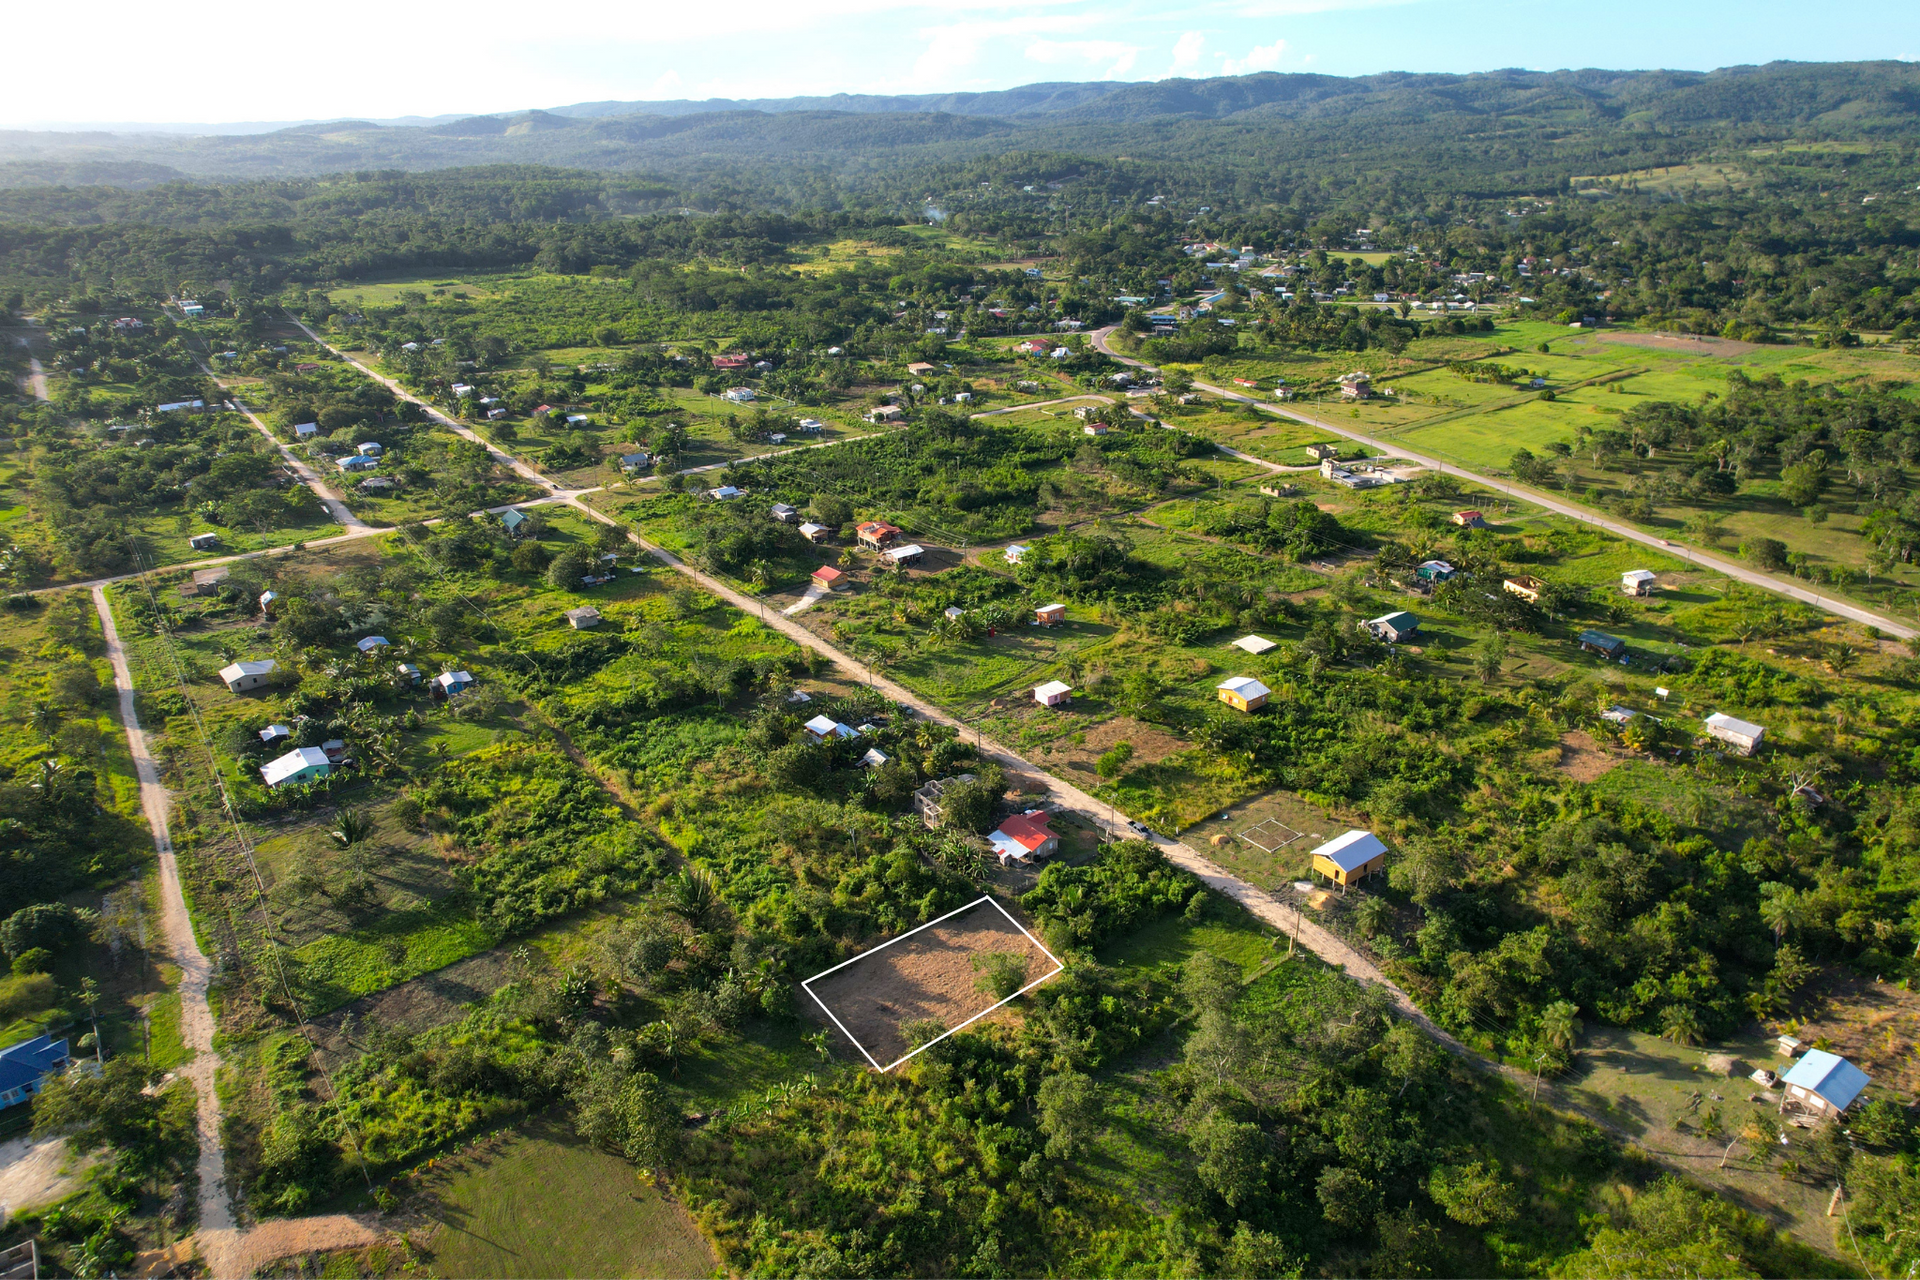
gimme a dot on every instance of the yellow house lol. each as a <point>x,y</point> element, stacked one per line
<point>1350,858</point>
<point>1244,693</point>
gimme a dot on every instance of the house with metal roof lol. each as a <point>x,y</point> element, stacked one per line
<point>1743,736</point>
<point>1639,582</point>
<point>1024,837</point>
<point>1393,627</point>
<point>1253,644</point>
<point>248,674</point>
<point>1053,694</point>
<point>1825,1083</point>
<point>1244,693</point>
<point>449,683</point>
<point>823,727</point>
<point>302,764</point>
<point>1603,644</point>
<point>24,1067</point>
<point>1347,859</point>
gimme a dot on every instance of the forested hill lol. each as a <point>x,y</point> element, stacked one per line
<point>1492,134</point>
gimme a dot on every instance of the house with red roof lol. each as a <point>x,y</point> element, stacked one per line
<point>876,534</point>
<point>1024,837</point>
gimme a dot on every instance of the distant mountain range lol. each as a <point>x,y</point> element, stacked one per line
<point>1579,121</point>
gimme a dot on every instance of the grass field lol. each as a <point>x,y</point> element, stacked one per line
<point>537,1202</point>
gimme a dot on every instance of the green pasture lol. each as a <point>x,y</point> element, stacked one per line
<point>537,1202</point>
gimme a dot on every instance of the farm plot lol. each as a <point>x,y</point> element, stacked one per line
<point>948,973</point>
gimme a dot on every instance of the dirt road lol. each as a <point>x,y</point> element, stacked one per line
<point>196,1017</point>
<point>331,498</point>
<point>1704,559</point>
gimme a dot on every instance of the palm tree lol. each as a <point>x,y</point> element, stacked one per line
<point>1680,1024</point>
<point>1560,1025</point>
<point>352,829</point>
<point>45,720</point>
<point>1841,659</point>
<point>1781,908</point>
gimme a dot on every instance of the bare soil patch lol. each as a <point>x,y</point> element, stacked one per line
<point>1150,746</point>
<point>1690,343</point>
<point>1583,759</point>
<point>928,976</point>
<point>1874,1025</point>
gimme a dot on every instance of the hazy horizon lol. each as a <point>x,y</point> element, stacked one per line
<point>148,71</point>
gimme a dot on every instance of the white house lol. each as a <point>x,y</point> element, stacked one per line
<point>723,493</point>
<point>267,599</point>
<point>1639,582</point>
<point>1825,1083</point>
<point>820,728</point>
<point>369,448</point>
<point>632,462</point>
<point>204,541</point>
<point>1742,735</point>
<point>1053,693</point>
<point>301,430</point>
<point>302,764</point>
<point>584,617</point>
<point>1253,644</point>
<point>1013,554</point>
<point>783,513</point>
<point>250,674</point>
<point>874,758</point>
<point>739,395</point>
<point>274,732</point>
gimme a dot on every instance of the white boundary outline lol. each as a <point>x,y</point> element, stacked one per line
<point>1059,968</point>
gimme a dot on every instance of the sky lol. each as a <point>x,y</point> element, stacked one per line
<point>240,60</point>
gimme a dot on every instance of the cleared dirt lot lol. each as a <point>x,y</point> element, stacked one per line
<point>927,976</point>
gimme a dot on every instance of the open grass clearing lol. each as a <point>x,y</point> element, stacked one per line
<point>535,1201</point>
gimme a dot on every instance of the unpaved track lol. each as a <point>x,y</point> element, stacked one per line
<point>1705,560</point>
<point>227,1250</point>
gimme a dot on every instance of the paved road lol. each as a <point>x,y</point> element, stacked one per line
<point>1705,559</point>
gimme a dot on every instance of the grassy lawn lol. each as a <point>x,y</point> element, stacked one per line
<point>535,1201</point>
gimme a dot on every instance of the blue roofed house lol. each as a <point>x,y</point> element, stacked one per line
<point>24,1066</point>
<point>357,462</point>
<point>1824,1083</point>
<point>512,520</point>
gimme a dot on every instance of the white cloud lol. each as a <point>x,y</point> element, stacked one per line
<point>1186,52</point>
<point>1119,58</point>
<point>1265,57</point>
<point>1300,8</point>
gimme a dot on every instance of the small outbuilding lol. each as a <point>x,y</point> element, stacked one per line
<point>873,758</point>
<point>276,733</point>
<point>1324,452</point>
<point>1743,736</point>
<point>1603,644</point>
<point>1254,644</point>
<point>248,674</point>
<point>900,557</point>
<point>1050,615</point>
<point>1348,859</point>
<point>725,493</point>
<point>827,576</point>
<point>302,764</point>
<point>1824,1083</point>
<point>584,618</point>
<point>203,541</point>
<point>1470,519</point>
<point>1639,582</point>
<point>408,672</point>
<point>1244,693</point>
<point>1435,571</point>
<point>1053,694</point>
<point>783,513</point>
<point>815,533</point>
<point>372,643</point>
<point>632,462</point>
<point>514,521</point>
<point>1015,552</point>
<point>267,599</point>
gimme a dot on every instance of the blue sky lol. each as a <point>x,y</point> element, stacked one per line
<point>239,60</point>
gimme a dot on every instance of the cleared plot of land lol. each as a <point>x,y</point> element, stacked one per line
<point>928,975</point>
<point>539,1202</point>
